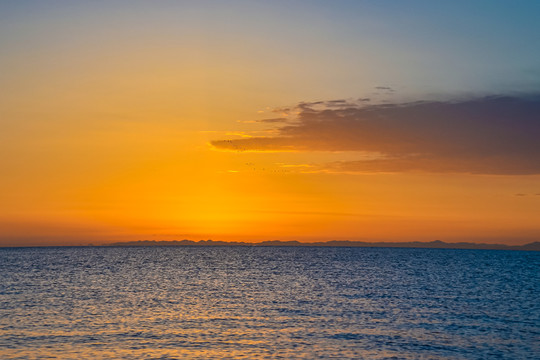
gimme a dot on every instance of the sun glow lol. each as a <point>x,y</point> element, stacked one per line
<point>161,120</point>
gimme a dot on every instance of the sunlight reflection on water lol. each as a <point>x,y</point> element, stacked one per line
<point>275,302</point>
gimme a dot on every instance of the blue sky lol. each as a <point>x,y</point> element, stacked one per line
<point>415,46</point>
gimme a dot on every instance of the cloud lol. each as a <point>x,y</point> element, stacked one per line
<point>488,135</point>
<point>386,88</point>
<point>273,120</point>
<point>329,104</point>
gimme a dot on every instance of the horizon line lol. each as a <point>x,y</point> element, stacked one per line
<point>435,244</point>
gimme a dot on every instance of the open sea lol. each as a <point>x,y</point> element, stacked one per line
<point>268,302</point>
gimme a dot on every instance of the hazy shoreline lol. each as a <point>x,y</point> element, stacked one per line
<point>437,244</point>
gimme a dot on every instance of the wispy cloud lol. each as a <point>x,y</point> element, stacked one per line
<point>273,120</point>
<point>385,88</point>
<point>488,135</point>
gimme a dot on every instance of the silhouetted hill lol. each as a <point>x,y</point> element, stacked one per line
<point>437,244</point>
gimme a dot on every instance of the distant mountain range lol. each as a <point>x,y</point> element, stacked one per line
<point>437,244</point>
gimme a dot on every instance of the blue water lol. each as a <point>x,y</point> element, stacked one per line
<point>274,302</point>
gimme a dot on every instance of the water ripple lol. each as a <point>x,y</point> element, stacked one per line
<point>279,303</point>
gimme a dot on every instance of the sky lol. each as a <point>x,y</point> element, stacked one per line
<point>269,120</point>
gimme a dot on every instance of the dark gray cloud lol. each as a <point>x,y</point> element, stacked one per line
<point>489,135</point>
<point>340,101</point>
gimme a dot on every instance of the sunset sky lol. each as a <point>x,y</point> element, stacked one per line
<point>269,120</point>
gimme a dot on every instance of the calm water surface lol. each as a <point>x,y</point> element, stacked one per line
<point>275,302</point>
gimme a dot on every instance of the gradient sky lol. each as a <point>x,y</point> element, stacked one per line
<point>263,120</point>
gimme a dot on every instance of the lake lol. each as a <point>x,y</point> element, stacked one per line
<point>268,302</point>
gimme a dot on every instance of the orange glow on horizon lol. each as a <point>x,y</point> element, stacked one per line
<point>202,129</point>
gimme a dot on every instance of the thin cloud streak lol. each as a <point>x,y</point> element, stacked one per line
<point>489,135</point>
<point>273,120</point>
